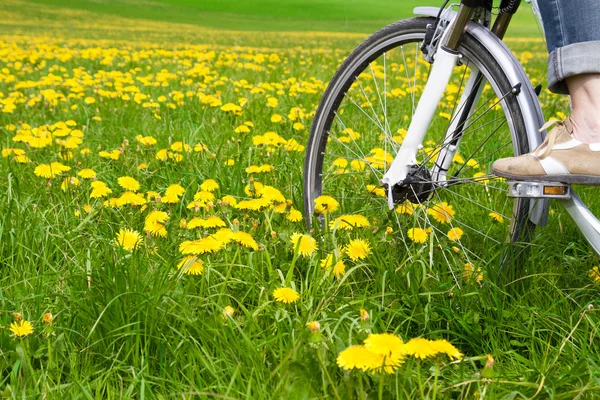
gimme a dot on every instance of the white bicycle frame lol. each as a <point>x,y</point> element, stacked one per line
<point>440,75</point>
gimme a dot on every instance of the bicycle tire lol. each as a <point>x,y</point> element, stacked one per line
<point>389,37</point>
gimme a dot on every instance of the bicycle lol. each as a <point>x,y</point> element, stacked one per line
<point>415,175</point>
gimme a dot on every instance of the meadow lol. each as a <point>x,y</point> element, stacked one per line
<point>152,242</point>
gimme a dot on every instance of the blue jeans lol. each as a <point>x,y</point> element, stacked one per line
<point>572,30</point>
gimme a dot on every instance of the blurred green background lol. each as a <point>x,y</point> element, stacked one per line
<point>278,15</point>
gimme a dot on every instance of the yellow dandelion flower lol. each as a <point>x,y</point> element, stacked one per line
<point>328,261</point>
<point>128,183</point>
<point>99,189</point>
<point>357,249</point>
<point>339,269</point>
<point>272,102</point>
<point>305,245</point>
<point>420,348</point>
<point>325,205</point>
<point>418,235</point>
<point>406,208</point>
<point>154,223</point>
<point>358,357</point>
<point>175,190</point>
<point>201,246</point>
<point>374,190</point>
<point>455,234</point>
<point>245,239</point>
<point>594,274</point>
<point>254,189</point>
<point>254,204</point>
<point>169,199</point>
<point>204,196</point>
<point>242,129</point>
<point>286,295</point>
<point>87,173</point>
<point>21,328</point>
<point>496,217</point>
<point>443,346</point>
<point>294,215</point>
<point>349,222</point>
<point>228,312</point>
<point>473,164</point>
<point>471,273</point>
<point>210,222</point>
<point>273,194</point>
<point>386,344</point>
<point>223,235</point>
<point>480,177</point>
<point>128,239</point>
<point>209,185</point>
<point>442,212</point>
<point>50,170</point>
<point>228,201</point>
<point>68,182</point>
<point>191,265</point>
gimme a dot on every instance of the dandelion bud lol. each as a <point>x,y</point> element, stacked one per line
<point>389,230</point>
<point>254,225</point>
<point>261,247</point>
<point>228,312</point>
<point>18,316</point>
<point>488,370</point>
<point>125,142</point>
<point>47,317</point>
<point>314,326</point>
<point>182,223</point>
<point>364,315</point>
<point>251,180</point>
<point>236,222</point>
<point>273,234</point>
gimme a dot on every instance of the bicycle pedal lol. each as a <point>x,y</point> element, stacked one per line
<point>539,190</point>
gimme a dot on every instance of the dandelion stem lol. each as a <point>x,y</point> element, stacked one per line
<point>419,380</point>
<point>435,380</point>
<point>381,380</point>
<point>290,274</point>
<point>335,393</point>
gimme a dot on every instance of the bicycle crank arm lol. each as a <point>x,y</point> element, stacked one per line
<point>539,190</point>
<point>445,61</point>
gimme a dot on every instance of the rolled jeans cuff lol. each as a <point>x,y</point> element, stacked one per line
<point>570,60</point>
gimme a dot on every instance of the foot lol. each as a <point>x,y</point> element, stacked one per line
<point>560,158</point>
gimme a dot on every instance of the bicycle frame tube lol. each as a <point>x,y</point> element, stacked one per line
<point>462,115</point>
<point>445,61</point>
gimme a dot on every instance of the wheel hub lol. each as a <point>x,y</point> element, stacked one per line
<point>416,187</point>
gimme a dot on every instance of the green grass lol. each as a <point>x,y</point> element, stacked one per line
<point>130,324</point>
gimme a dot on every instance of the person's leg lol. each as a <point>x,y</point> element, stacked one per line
<point>572,29</point>
<point>585,98</point>
<point>571,151</point>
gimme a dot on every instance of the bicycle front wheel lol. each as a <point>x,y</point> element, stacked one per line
<point>360,124</point>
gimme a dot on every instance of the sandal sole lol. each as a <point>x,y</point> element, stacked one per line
<point>588,180</point>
